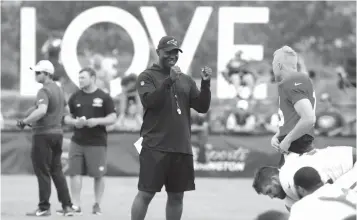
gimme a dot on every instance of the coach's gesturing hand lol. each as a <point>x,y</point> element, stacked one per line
<point>175,73</point>
<point>206,73</point>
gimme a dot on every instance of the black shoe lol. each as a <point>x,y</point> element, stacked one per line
<point>39,212</point>
<point>96,209</point>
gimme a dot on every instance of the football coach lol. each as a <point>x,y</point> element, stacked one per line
<point>166,156</point>
<point>46,122</point>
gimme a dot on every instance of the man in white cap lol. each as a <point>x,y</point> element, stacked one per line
<point>241,120</point>
<point>46,122</point>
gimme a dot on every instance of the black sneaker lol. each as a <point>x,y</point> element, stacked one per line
<point>39,212</point>
<point>96,209</point>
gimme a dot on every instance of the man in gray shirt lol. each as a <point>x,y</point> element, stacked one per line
<point>46,122</point>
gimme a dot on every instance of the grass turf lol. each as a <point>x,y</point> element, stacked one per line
<point>214,199</point>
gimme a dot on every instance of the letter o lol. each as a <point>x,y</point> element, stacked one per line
<point>100,14</point>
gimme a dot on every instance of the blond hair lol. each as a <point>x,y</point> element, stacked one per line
<point>287,56</point>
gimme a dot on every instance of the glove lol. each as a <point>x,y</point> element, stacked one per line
<point>20,124</point>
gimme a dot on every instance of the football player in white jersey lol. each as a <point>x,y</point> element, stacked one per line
<point>331,163</point>
<point>335,201</point>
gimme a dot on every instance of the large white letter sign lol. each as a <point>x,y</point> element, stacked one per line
<point>193,35</point>
<point>28,84</point>
<point>104,14</point>
<point>226,49</point>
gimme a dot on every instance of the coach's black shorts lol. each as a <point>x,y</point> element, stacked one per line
<point>174,170</point>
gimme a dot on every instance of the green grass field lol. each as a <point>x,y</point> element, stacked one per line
<point>214,199</point>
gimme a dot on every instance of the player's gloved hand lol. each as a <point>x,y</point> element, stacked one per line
<point>20,124</point>
<point>206,73</point>
<point>175,73</point>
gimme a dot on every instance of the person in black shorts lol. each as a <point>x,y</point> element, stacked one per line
<point>46,122</point>
<point>91,110</point>
<point>166,155</point>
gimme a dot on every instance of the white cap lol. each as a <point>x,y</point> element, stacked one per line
<point>44,66</point>
<point>242,104</point>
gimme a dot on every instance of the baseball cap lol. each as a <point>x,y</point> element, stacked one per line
<point>242,104</point>
<point>168,43</point>
<point>44,66</point>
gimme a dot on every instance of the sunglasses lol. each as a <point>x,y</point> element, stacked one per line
<point>39,73</point>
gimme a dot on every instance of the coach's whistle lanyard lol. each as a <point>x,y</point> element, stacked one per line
<point>176,100</point>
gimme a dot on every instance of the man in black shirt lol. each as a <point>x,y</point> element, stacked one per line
<point>46,122</point>
<point>166,156</point>
<point>91,111</point>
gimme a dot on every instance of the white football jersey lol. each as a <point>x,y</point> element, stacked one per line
<point>331,202</point>
<point>330,162</point>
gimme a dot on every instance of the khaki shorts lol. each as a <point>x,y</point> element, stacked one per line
<point>87,160</point>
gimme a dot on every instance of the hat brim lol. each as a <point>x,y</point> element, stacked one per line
<point>39,69</point>
<point>33,68</point>
<point>166,49</point>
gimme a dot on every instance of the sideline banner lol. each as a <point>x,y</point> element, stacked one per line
<point>226,156</point>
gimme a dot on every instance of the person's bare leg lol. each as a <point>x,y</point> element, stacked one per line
<point>141,204</point>
<point>98,189</point>
<point>76,187</point>
<point>174,206</point>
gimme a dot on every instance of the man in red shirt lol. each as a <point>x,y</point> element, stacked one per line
<point>46,122</point>
<point>297,104</point>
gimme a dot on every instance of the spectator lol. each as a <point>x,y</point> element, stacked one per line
<point>105,69</point>
<point>344,79</point>
<point>128,94</point>
<point>51,50</point>
<point>241,120</point>
<point>132,120</point>
<point>238,74</point>
<point>200,127</point>
<point>218,120</point>
<point>233,66</point>
<point>272,123</point>
<point>96,63</point>
<point>329,119</point>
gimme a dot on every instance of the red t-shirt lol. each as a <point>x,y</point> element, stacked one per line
<point>291,90</point>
